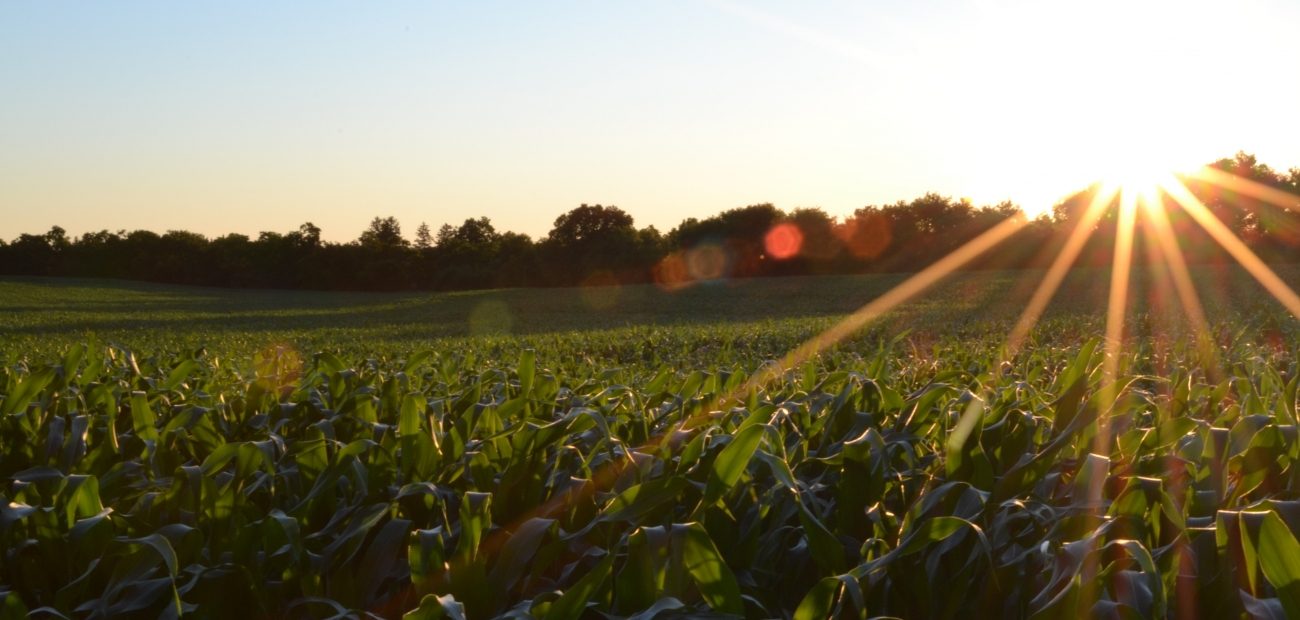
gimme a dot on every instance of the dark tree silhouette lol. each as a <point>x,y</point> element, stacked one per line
<point>596,244</point>
<point>383,233</point>
<point>591,239</point>
<point>423,239</point>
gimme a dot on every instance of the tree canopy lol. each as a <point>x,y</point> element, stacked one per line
<point>601,244</point>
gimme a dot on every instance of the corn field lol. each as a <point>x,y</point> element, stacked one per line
<point>638,474</point>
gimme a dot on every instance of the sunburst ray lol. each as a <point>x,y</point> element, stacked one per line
<point>1116,307</point>
<point>1157,222</point>
<point>1117,304</point>
<point>1247,187</point>
<point>1234,246</point>
<point>905,291</point>
<point>608,474</point>
<point>1060,266</point>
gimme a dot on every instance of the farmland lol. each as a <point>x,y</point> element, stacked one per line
<point>603,452</point>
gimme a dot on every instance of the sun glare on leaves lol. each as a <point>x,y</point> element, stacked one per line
<point>1129,148</point>
<point>1137,191</point>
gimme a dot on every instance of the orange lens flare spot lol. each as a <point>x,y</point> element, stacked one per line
<point>671,273</point>
<point>867,236</point>
<point>783,241</point>
<point>707,262</point>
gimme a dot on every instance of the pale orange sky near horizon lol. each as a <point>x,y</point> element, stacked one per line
<point>240,117</point>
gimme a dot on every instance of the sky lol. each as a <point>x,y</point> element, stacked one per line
<point>221,117</point>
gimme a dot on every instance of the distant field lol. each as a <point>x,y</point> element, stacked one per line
<point>57,306</point>
<point>40,314</point>
<point>43,314</point>
<point>624,452</point>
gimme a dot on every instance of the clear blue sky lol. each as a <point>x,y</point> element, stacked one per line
<point>246,116</point>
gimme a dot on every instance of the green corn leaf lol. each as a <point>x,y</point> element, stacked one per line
<point>526,370</point>
<point>1279,558</point>
<point>434,607</point>
<point>576,598</point>
<point>716,582</point>
<point>731,463</point>
<point>27,391</point>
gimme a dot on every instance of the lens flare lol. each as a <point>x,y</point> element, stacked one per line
<point>1139,197</point>
<point>866,236</point>
<point>671,273</point>
<point>783,241</point>
<point>601,290</point>
<point>707,262</point>
<point>1157,223</point>
<point>1120,275</point>
<point>490,317</point>
<point>1060,265</point>
<point>1261,272</point>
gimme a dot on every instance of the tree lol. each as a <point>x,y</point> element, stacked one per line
<point>476,232</point>
<point>589,222</point>
<point>383,233</point>
<point>31,255</point>
<point>601,243</point>
<point>742,225</point>
<point>591,238</point>
<point>58,238</point>
<point>817,228</point>
<point>741,231</point>
<point>423,239</point>
<point>307,236</point>
<point>467,256</point>
<point>866,234</point>
<point>516,260</point>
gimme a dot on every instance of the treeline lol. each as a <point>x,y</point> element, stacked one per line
<point>595,244</point>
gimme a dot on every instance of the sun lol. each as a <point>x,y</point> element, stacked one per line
<point>1134,149</point>
<point>1136,175</point>
<point>1135,171</point>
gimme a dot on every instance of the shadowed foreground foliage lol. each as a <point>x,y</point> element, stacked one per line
<point>621,473</point>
